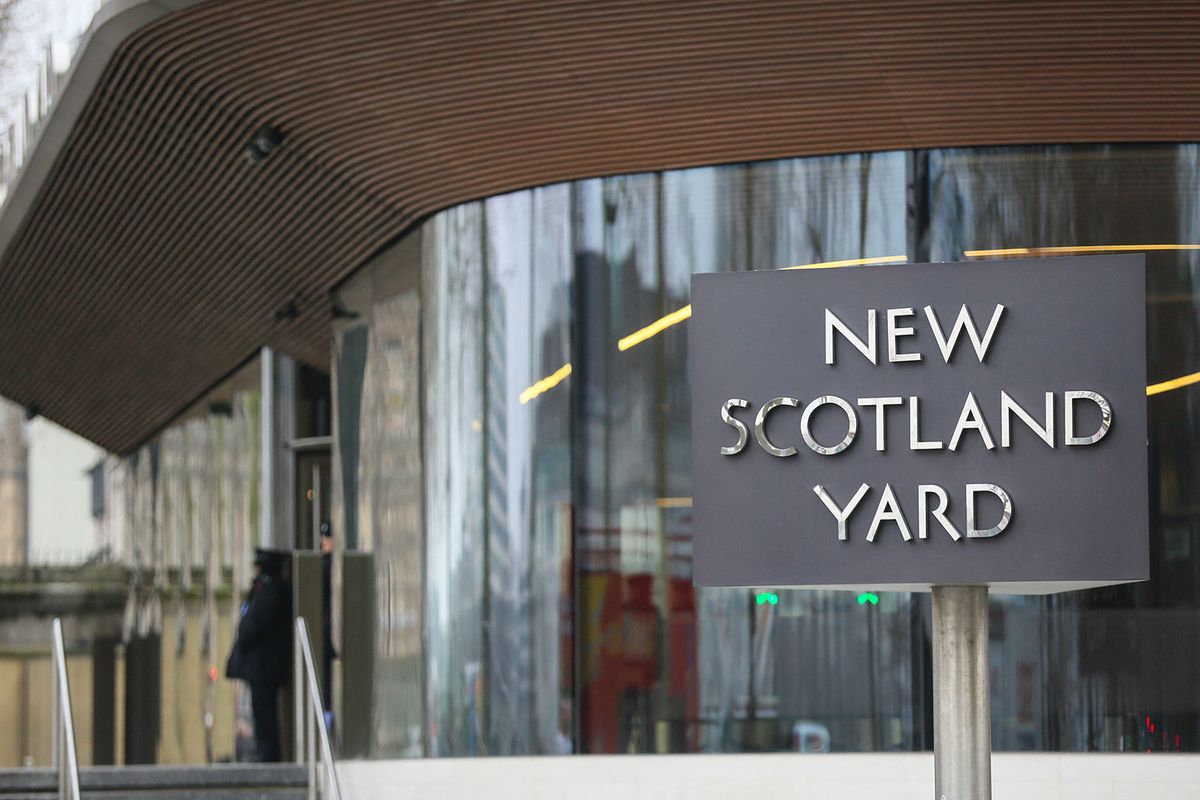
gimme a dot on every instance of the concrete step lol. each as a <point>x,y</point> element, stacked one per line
<point>211,782</point>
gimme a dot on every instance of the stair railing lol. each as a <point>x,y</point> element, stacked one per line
<point>62,743</point>
<point>311,731</point>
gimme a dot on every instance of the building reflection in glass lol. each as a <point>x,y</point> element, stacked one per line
<point>524,484</point>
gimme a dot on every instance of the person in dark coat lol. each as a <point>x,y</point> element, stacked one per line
<point>261,653</point>
<point>327,619</point>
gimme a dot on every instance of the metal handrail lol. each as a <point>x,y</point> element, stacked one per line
<point>310,715</point>
<point>62,743</point>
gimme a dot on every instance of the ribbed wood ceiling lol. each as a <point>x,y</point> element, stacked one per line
<point>155,257</point>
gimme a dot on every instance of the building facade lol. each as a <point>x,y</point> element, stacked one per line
<point>553,530</point>
<point>474,231</point>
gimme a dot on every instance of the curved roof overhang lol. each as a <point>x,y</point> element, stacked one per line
<point>142,257</point>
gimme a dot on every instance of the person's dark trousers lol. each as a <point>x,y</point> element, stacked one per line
<point>265,707</point>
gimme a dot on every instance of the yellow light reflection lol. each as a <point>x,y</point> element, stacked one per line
<point>1177,383</point>
<point>1068,250</point>
<point>673,502</point>
<point>852,262</point>
<point>546,384</point>
<point>654,328</point>
<point>679,315</point>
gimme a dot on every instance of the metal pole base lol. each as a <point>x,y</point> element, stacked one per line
<point>962,724</point>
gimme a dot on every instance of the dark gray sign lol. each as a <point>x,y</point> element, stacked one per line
<point>906,426</point>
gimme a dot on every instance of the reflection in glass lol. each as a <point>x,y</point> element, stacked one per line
<point>528,250</point>
<point>388,514</point>
<point>1100,670</point>
<point>455,502</point>
<point>552,530</point>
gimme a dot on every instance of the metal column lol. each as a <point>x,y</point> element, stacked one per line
<point>962,731</point>
<point>267,447</point>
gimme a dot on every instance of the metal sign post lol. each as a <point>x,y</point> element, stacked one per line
<point>962,720</point>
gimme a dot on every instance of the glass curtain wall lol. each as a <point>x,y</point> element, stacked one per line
<point>540,427</point>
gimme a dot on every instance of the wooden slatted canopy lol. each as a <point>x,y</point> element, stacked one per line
<point>144,257</point>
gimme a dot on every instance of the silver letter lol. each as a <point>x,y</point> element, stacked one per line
<point>831,322</point>
<point>892,512</point>
<point>1069,412</point>
<point>895,333</point>
<point>760,426</point>
<point>1008,406</point>
<point>841,515</point>
<point>851,429</point>
<point>914,432</point>
<point>879,403</point>
<point>939,513</point>
<point>971,409</point>
<point>964,321</point>
<point>1005,516</point>
<point>743,435</point>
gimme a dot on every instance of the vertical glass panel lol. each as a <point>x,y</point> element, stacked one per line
<point>549,429</point>
<point>528,471</point>
<point>509,234</point>
<point>705,228</point>
<point>834,208</point>
<point>389,485</point>
<point>454,468</point>
<point>618,532</point>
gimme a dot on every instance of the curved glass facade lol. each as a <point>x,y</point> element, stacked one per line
<point>512,450</point>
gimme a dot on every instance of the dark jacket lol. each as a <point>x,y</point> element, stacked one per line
<point>327,605</point>
<point>262,651</point>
